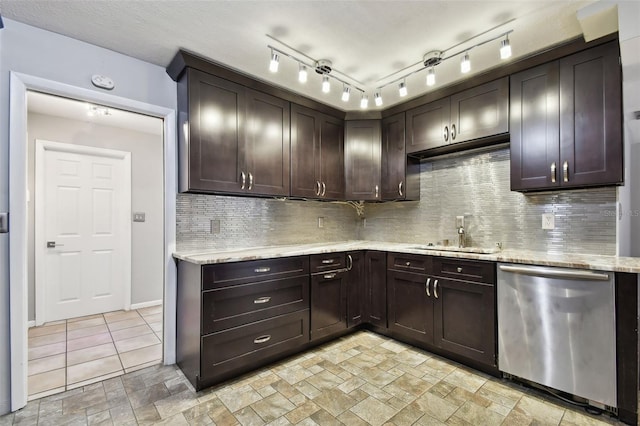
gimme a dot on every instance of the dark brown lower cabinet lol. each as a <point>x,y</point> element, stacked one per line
<point>328,303</point>
<point>376,288</point>
<point>355,288</point>
<point>410,308</point>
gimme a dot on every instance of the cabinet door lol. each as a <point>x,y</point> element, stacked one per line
<point>376,288</point>
<point>328,304</point>
<point>428,126</point>
<point>535,128</point>
<point>215,159</point>
<point>480,112</point>
<point>464,321</point>
<point>410,307</point>
<point>305,152</point>
<point>267,144</point>
<point>355,287</point>
<point>400,175</point>
<point>362,160</point>
<point>590,117</point>
<point>332,158</point>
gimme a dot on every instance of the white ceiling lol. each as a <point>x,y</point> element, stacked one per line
<point>367,40</point>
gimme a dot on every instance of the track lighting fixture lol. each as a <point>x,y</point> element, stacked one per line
<point>431,76</point>
<point>465,64</point>
<point>505,48</point>
<point>402,89</point>
<point>364,101</point>
<point>326,86</point>
<point>302,73</point>
<point>377,99</point>
<point>275,61</point>
<point>345,94</point>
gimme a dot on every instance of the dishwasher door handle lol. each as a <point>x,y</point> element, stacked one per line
<point>553,273</point>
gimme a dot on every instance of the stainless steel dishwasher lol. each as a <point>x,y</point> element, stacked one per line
<point>556,327</point>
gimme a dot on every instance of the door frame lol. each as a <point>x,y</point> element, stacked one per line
<point>41,147</point>
<point>18,292</point>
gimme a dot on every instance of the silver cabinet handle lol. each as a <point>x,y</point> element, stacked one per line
<point>52,244</point>
<point>324,189</point>
<point>327,261</point>
<point>453,132</point>
<point>260,300</point>
<point>408,263</point>
<point>250,181</point>
<point>553,172</point>
<point>317,187</point>
<point>377,191</point>
<point>427,287</point>
<point>400,189</point>
<point>565,171</point>
<point>243,177</point>
<point>263,269</point>
<point>329,276</point>
<point>435,288</point>
<point>446,133</point>
<point>349,262</point>
<point>459,269</point>
<point>262,339</point>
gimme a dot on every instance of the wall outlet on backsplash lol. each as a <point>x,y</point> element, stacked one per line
<point>215,226</point>
<point>548,221</point>
<point>321,222</point>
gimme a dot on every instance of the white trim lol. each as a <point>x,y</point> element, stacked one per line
<point>31,324</point>
<point>18,296</point>
<point>40,237</point>
<point>146,304</point>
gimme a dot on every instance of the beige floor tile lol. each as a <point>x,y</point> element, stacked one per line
<point>478,415</point>
<point>120,316</point>
<point>373,411</point>
<point>45,330</point>
<point>153,318</point>
<point>335,401</point>
<point>273,407</point>
<point>149,310</point>
<point>89,341</point>
<point>49,363</point>
<point>156,326</point>
<point>43,382</point>
<point>127,333</point>
<point>82,323</point>
<point>54,391</point>
<point>90,354</point>
<point>47,339</point>
<point>132,322</point>
<point>87,331</point>
<point>87,370</point>
<point>85,318</point>
<point>539,410</point>
<point>47,350</point>
<point>137,342</point>
<point>46,324</point>
<point>141,356</point>
<point>142,366</point>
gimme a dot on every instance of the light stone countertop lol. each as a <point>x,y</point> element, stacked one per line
<point>579,261</point>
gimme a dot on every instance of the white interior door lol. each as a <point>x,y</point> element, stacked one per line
<point>83,232</point>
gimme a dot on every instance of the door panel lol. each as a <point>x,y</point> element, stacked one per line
<point>376,288</point>
<point>362,160</point>
<point>410,309</point>
<point>332,158</point>
<point>305,151</point>
<point>328,304</point>
<point>428,126</point>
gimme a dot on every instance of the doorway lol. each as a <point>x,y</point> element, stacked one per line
<point>161,322</point>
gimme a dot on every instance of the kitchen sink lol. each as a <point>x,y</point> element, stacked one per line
<point>479,250</point>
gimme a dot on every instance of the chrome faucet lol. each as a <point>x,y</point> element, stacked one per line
<point>461,237</point>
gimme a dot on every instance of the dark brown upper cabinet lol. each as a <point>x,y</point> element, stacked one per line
<point>317,154</point>
<point>566,122</point>
<point>362,150</point>
<point>400,174</point>
<point>477,113</point>
<point>232,139</point>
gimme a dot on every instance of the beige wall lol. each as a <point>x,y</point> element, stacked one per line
<point>147,196</point>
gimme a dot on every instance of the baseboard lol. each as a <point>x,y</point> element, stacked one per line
<point>146,304</point>
<point>31,324</point>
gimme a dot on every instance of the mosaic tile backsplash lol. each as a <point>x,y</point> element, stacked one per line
<point>475,185</point>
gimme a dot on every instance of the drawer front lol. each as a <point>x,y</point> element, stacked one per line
<point>467,270</point>
<point>409,262</point>
<point>228,274</point>
<point>233,306</point>
<point>244,346</point>
<point>327,262</point>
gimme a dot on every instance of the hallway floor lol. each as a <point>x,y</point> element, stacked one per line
<point>360,379</point>
<point>69,354</point>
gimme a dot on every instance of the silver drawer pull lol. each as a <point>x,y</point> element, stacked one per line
<point>427,287</point>
<point>327,261</point>
<point>408,263</point>
<point>329,276</point>
<point>262,339</point>
<point>459,269</point>
<point>264,299</point>
<point>435,289</point>
<point>263,269</point>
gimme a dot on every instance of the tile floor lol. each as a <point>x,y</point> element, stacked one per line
<point>72,353</point>
<point>361,379</point>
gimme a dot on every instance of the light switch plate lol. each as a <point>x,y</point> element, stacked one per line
<point>321,222</point>
<point>138,217</point>
<point>215,226</point>
<point>548,221</point>
<point>459,221</point>
<point>4,223</point>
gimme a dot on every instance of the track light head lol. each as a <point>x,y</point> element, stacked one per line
<point>378,99</point>
<point>465,64</point>
<point>275,62</point>
<point>364,101</point>
<point>302,73</point>
<point>402,89</point>
<point>326,85</point>
<point>431,76</point>
<point>505,49</point>
<point>345,94</point>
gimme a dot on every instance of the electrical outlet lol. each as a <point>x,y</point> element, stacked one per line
<point>321,222</point>
<point>215,226</point>
<point>459,221</point>
<point>548,221</point>
<point>364,222</point>
<point>138,217</point>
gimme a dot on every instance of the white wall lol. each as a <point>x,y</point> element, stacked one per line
<point>147,195</point>
<point>44,54</point>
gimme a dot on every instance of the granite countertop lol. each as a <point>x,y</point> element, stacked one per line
<point>581,261</point>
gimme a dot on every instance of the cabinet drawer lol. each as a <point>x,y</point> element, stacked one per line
<point>247,345</point>
<point>467,270</point>
<point>409,262</point>
<point>327,262</point>
<point>228,274</point>
<point>242,304</point>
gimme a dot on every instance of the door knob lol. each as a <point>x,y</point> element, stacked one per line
<point>52,244</point>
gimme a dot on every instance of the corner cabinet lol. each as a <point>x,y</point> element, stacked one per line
<point>224,145</point>
<point>400,174</point>
<point>477,113</point>
<point>566,122</point>
<point>362,146</point>
<point>317,154</point>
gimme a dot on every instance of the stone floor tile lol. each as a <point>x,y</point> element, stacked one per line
<point>350,385</point>
<point>248,417</point>
<point>280,421</point>
<point>234,400</point>
<point>349,418</point>
<point>407,416</point>
<point>325,380</point>
<point>373,411</point>
<point>272,407</point>
<point>294,375</point>
<point>303,411</point>
<point>101,418</point>
<point>459,396</point>
<point>148,395</point>
<point>335,401</point>
<point>478,415</point>
<point>177,403</point>
<point>39,383</point>
<point>539,410</point>
<point>47,329</point>
<point>435,406</point>
<point>322,418</point>
<point>465,380</point>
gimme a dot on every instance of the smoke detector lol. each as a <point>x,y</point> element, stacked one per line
<point>432,58</point>
<point>323,66</point>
